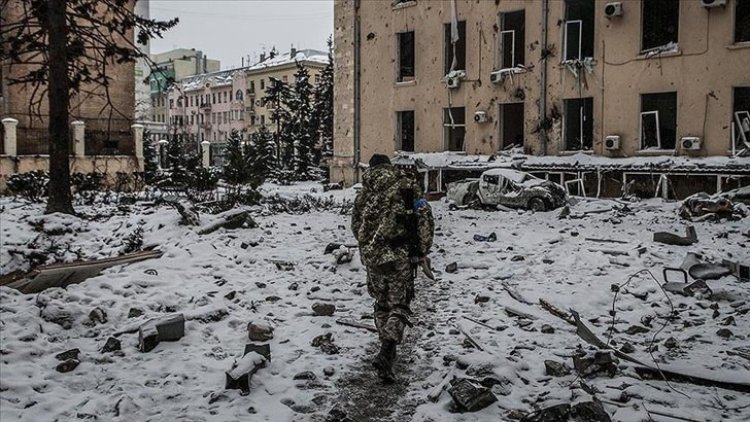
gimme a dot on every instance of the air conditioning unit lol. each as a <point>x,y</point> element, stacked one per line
<point>613,9</point>
<point>713,3</point>
<point>612,142</point>
<point>481,117</point>
<point>690,143</point>
<point>496,77</point>
<point>453,82</point>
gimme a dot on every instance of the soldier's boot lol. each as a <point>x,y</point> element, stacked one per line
<point>383,362</point>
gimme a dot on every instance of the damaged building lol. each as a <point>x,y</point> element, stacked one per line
<point>651,97</point>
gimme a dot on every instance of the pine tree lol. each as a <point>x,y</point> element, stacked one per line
<point>323,106</point>
<point>236,167</point>
<point>276,99</point>
<point>180,162</point>
<point>302,131</point>
<point>261,156</point>
<point>65,48</point>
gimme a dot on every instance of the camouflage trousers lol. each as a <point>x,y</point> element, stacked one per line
<point>392,287</point>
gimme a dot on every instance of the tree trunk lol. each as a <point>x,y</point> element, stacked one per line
<point>60,198</point>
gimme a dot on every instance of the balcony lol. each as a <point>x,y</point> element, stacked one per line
<point>205,106</point>
<point>206,125</point>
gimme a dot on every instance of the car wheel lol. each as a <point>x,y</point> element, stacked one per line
<point>537,204</point>
<point>470,199</point>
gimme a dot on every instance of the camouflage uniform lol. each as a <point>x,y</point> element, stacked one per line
<point>383,222</point>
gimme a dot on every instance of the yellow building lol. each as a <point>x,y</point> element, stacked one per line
<point>581,87</point>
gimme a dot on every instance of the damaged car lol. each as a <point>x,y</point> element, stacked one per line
<point>507,188</point>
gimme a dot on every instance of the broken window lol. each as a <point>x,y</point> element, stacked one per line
<point>406,70</point>
<point>578,124</point>
<point>579,29</point>
<point>659,120</point>
<point>405,131</point>
<point>741,116</point>
<point>742,21</point>
<point>512,39</point>
<point>511,125</point>
<point>454,123</point>
<point>661,20</point>
<point>459,53</point>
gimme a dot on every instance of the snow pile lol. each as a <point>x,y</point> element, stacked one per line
<point>274,274</point>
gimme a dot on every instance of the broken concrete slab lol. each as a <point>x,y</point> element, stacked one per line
<point>190,216</point>
<point>591,411</point>
<point>62,275</point>
<point>262,349</point>
<point>238,378</point>
<point>690,237</point>
<point>470,396</point>
<point>154,331</point>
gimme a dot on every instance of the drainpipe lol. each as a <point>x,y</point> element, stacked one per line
<point>543,93</point>
<point>357,65</point>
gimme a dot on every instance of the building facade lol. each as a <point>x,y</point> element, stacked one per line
<point>103,138</point>
<point>170,67</point>
<point>207,107</point>
<point>612,83</point>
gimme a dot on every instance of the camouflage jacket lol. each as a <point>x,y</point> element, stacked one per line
<point>391,219</point>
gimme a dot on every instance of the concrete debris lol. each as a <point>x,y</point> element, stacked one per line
<point>743,352</point>
<point>591,411</point>
<point>332,247</point>
<point>690,237</point>
<point>112,345</point>
<point>470,396</point>
<point>154,331</point>
<point>98,316</point>
<point>490,238</point>
<point>689,289</point>
<point>135,312</point>
<point>306,376</point>
<point>259,332</point>
<point>741,271</point>
<point>67,366</point>
<point>238,378</point>
<point>451,268</point>
<point>323,309</point>
<point>68,354</point>
<point>343,255</point>
<point>437,391</point>
<point>724,333</point>
<point>547,329</point>
<point>600,363</point>
<point>325,343</point>
<point>556,369</point>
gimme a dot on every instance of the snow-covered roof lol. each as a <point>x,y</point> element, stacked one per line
<point>220,78</point>
<point>514,175</point>
<point>308,55</point>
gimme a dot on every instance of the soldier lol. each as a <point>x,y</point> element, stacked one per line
<point>394,227</point>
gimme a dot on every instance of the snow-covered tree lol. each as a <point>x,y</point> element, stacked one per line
<point>301,129</point>
<point>261,156</point>
<point>180,161</point>
<point>236,167</point>
<point>323,106</point>
<point>150,158</point>
<point>276,99</point>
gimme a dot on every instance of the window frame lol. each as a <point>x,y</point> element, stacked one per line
<point>501,123</point>
<point>400,131</point>
<point>658,132</point>
<point>448,50</point>
<point>500,50</point>
<point>581,124</point>
<point>735,29</point>
<point>643,49</point>
<point>662,119</point>
<point>447,126</point>
<point>399,76</point>
<point>580,39</point>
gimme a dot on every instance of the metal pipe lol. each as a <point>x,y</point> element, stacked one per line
<point>543,92</point>
<point>357,105</point>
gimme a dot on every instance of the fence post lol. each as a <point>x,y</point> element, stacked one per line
<point>138,138</point>
<point>79,133</point>
<point>206,147</point>
<point>10,139</point>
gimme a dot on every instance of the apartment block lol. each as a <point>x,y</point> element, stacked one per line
<point>208,106</point>
<point>596,92</point>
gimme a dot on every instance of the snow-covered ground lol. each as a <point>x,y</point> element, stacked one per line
<point>273,275</point>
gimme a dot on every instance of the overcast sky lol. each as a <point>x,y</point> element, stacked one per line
<point>230,29</point>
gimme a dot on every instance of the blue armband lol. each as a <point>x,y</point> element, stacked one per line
<point>419,204</point>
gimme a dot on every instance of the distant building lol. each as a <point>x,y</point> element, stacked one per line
<point>170,67</point>
<point>596,92</point>
<point>207,107</point>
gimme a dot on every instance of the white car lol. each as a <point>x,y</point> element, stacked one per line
<point>509,188</point>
